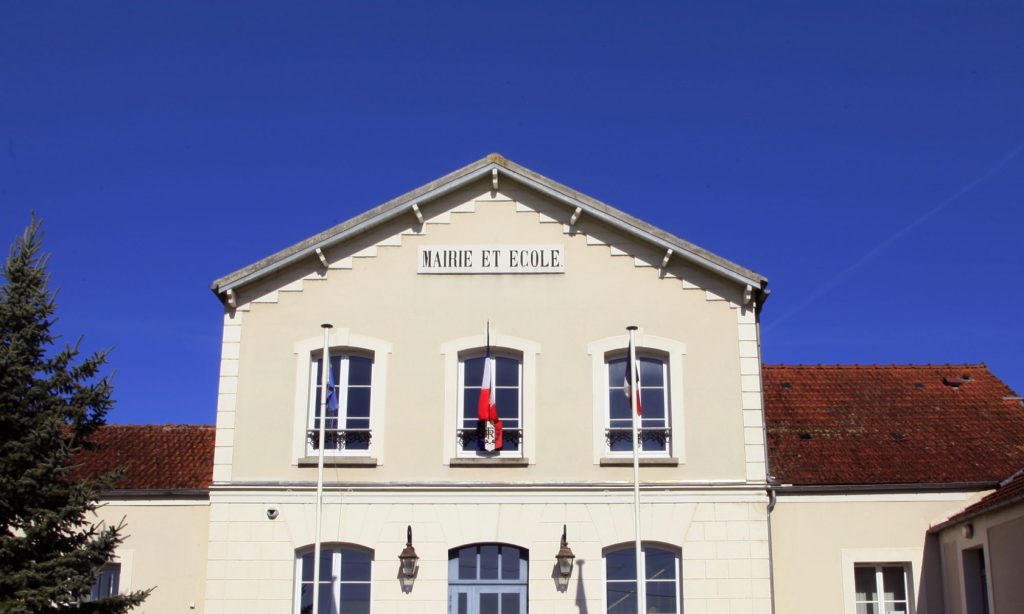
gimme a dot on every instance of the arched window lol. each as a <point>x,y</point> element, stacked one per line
<point>354,433</point>
<point>655,427</point>
<point>515,378</point>
<point>344,578</point>
<point>347,429</point>
<point>660,570</point>
<point>661,394</point>
<point>508,384</point>
<point>487,579</point>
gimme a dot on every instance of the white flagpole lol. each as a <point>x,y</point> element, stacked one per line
<point>324,370</point>
<point>634,384</point>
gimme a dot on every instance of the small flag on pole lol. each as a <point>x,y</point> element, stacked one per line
<point>632,375</point>
<point>332,391</point>
<point>489,427</point>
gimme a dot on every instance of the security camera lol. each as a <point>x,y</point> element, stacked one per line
<point>272,512</point>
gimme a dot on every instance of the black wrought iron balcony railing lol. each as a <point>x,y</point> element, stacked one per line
<point>659,435</point>
<point>339,439</point>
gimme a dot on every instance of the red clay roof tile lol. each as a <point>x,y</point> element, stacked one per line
<point>873,424</point>
<point>161,457</point>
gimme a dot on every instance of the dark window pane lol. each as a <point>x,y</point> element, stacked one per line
<point>306,597</point>
<point>470,400</point>
<point>357,423</point>
<point>510,603</point>
<point>651,372</point>
<point>488,562</point>
<point>473,371</point>
<point>463,603</point>
<point>659,564</point>
<point>616,372</point>
<point>621,597</point>
<point>508,403</point>
<point>307,568</point>
<point>355,565</point>
<point>892,584</point>
<point>866,608</point>
<point>489,603</point>
<point>509,563</point>
<point>621,564</point>
<point>358,402</point>
<point>508,371</point>
<point>355,598</point>
<point>326,561</point>
<point>327,605</point>
<point>661,597</point>
<point>467,563</point>
<point>864,583</point>
<point>618,405</point>
<point>653,402</point>
<point>360,371</point>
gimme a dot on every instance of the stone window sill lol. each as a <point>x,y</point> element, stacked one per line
<point>644,462</point>
<point>339,461</point>
<point>489,462</point>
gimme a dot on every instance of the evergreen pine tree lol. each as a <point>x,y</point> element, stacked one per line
<point>51,546</point>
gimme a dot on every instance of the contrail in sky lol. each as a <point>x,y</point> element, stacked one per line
<point>835,280</point>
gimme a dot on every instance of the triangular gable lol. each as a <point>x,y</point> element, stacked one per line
<point>498,169</point>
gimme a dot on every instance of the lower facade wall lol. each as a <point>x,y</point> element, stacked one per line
<point>723,541</point>
<point>817,540</point>
<point>165,548</point>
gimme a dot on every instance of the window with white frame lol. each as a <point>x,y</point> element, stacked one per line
<point>881,589</point>
<point>507,371</point>
<point>347,428</point>
<point>655,425</point>
<point>344,576</point>
<point>660,570</point>
<point>488,579</point>
<point>106,584</point>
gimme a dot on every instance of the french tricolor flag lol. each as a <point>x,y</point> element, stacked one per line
<point>489,436</point>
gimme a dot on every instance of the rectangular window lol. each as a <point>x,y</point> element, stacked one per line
<point>655,432</point>
<point>347,428</point>
<point>106,582</point>
<point>881,589</point>
<point>508,401</point>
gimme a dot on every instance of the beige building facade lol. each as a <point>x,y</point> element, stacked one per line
<point>558,328</point>
<point>494,267</point>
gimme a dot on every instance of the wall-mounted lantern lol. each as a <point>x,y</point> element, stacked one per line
<point>564,558</point>
<point>408,559</point>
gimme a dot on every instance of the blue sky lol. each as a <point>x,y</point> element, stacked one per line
<point>868,158</point>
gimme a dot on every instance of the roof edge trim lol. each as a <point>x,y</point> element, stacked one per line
<point>459,178</point>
